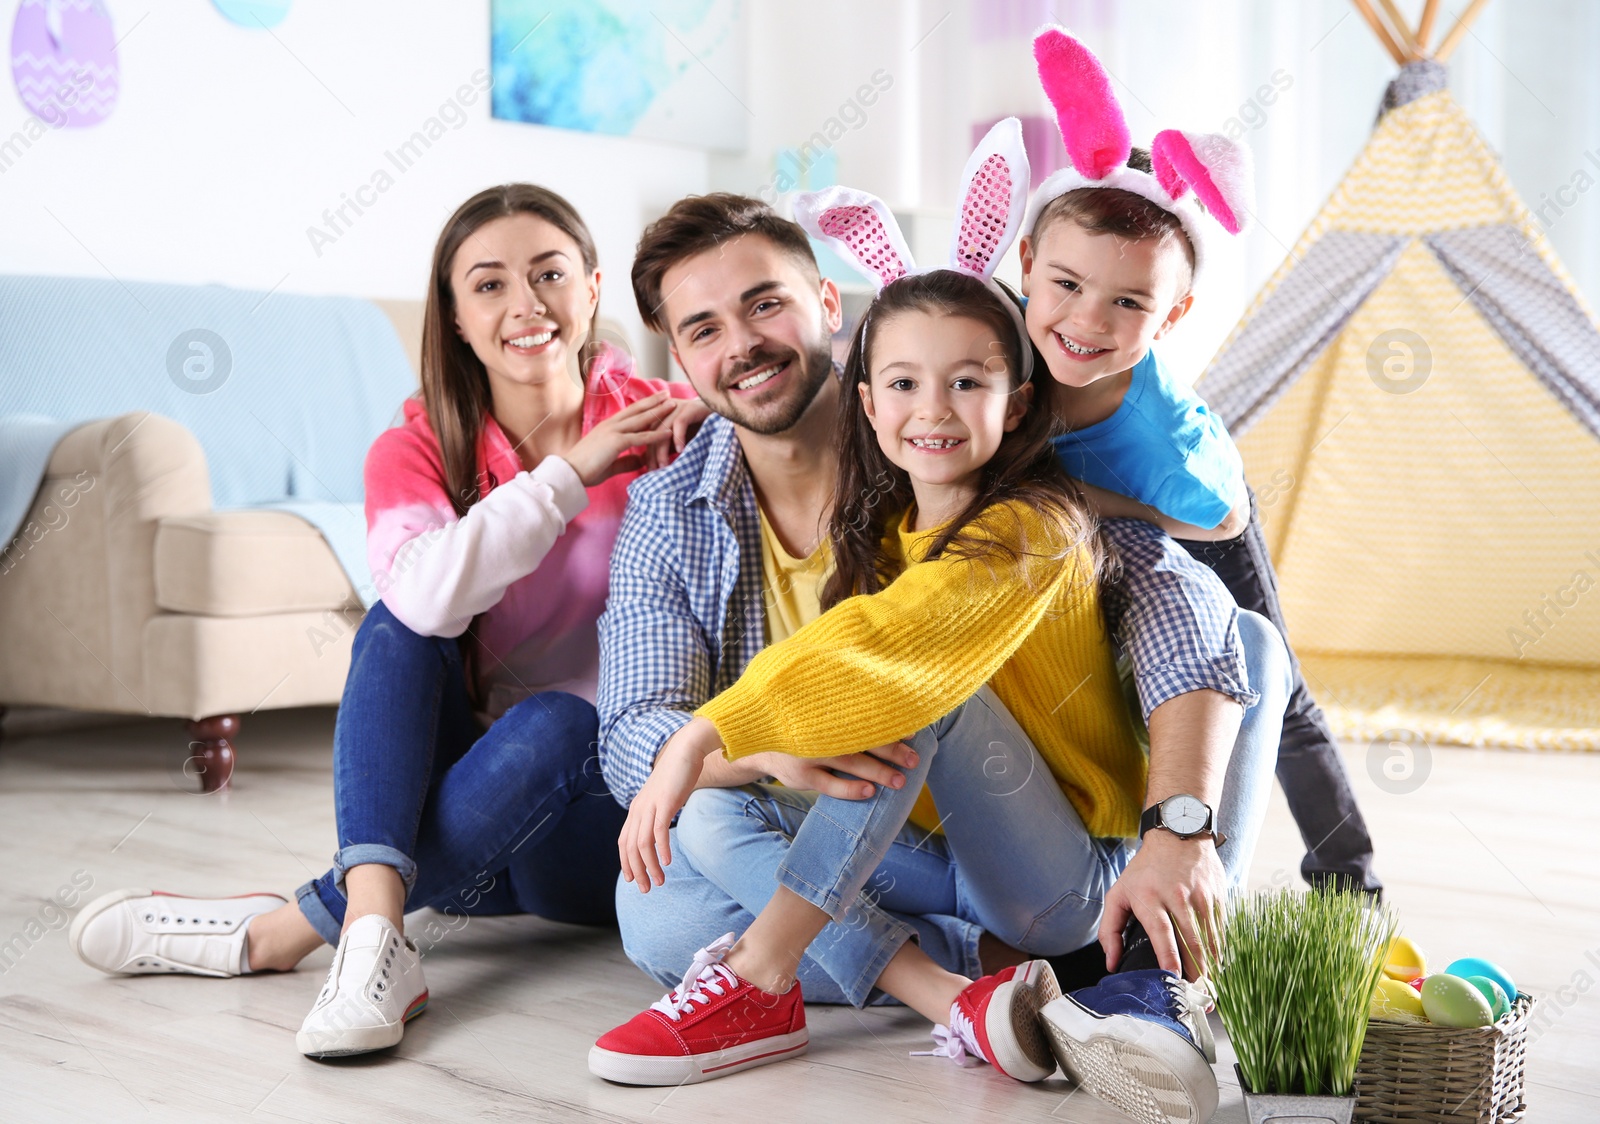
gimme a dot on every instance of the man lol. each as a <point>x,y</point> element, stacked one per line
<point>714,561</point>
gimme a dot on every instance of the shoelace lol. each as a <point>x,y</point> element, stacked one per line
<point>706,974</point>
<point>1190,997</point>
<point>958,1041</point>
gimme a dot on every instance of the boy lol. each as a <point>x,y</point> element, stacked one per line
<point>1107,272</point>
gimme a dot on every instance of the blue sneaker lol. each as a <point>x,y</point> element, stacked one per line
<point>1140,1042</point>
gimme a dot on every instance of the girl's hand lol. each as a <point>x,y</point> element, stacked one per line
<point>597,456</point>
<point>644,845</point>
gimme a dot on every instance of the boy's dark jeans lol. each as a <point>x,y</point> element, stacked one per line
<point>1338,848</point>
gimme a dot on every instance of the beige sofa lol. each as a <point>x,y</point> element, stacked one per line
<point>133,596</point>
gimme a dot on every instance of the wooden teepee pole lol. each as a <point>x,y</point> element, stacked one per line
<point>1451,41</point>
<point>1397,22</point>
<point>1430,12</point>
<point>1380,31</point>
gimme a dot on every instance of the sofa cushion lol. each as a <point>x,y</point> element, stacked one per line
<point>245,564</point>
<point>198,666</point>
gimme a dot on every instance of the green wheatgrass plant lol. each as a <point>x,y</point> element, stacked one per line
<point>1293,974</point>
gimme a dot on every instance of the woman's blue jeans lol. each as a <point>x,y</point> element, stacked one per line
<point>1014,858</point>
<point>513,820</point>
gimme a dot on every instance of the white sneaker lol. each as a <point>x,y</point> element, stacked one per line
<point>142,932</point>
<point>374,988</point>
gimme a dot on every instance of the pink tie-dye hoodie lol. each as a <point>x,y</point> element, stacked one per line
<point>529,559</point>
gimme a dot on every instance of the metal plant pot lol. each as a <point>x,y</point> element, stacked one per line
<point>1294,1108</point>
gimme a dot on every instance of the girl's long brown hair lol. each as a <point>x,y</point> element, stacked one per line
<point>455,386</point>
<point>871,490</point>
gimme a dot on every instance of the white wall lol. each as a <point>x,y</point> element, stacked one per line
<point>228,143</point>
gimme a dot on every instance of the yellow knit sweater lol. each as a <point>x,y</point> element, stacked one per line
<point>876,668</point>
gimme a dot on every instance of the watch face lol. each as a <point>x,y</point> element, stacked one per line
<point>1183,814</point>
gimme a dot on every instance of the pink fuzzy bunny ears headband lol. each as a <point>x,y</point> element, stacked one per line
<point>995,190</point>
<point>1096,137</point>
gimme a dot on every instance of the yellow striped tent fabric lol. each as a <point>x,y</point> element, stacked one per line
<point>1416,394</point>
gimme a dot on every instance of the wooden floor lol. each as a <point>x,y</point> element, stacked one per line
<point>1494,855</point>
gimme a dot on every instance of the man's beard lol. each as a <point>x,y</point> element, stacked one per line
<point>814,370</point>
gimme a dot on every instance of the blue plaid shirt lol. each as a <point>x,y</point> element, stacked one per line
<point>685,612</point>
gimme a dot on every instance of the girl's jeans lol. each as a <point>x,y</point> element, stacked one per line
<point>514,820</point>
<point>1014,859</point>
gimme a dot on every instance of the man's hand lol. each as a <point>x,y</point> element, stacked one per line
<point>864,771</point>
<point>1169,880</point>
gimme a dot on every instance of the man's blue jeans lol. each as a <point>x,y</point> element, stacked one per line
<point>1014,858</point>
<point>513,820</point>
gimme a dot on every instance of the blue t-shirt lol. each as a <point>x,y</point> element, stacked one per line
<point>1163,447</point>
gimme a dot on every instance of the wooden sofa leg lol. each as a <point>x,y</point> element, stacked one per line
<point>211,750</point>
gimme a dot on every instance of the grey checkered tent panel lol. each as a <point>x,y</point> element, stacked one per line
<point>1305,312</point>
<point>1530,309</point>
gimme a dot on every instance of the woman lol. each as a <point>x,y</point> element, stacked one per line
<point>465,774</point>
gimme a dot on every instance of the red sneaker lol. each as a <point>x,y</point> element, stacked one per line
<point>996,1019</point>
<point>711,1025</point>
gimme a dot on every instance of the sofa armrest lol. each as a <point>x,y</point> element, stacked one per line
<point>75,604</point>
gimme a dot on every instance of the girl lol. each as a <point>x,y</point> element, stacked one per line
<point>463,763</point>
<point>962,557</point>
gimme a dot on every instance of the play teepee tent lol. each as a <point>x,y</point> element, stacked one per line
<point>1416,394</point>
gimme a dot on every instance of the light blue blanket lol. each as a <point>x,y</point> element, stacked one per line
<point>284,393</point>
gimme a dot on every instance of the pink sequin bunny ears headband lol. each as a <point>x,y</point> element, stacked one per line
<point>1096,137</point>
<point>995,191</point>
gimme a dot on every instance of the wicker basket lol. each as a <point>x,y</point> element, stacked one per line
<point>1443,1075</point>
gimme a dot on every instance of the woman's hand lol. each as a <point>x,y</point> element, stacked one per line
<point>685,421</point>
<point>644,845</point>
<point>597,456</point>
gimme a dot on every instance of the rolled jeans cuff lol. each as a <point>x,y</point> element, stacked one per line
<point>862,990</point>
<point>380,853</point>
<point>312,908</point>
<point>310,896</point>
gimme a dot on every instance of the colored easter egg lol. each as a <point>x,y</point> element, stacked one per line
<point>254,13</point>
<point>1469,966</point>
<point>1452,1001</point>
<point>1404,960</point>
<point>1396,1002</point>
<point>64,61</point>
<point>1493,992</point>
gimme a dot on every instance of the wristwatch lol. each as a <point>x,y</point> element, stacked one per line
<point>1184,815</point>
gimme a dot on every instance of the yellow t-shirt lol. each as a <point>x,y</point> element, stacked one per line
<point>791,588</point>
<point>791,591</point>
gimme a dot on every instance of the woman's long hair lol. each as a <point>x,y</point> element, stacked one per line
<point>455,386</point>
<point>872,490</point>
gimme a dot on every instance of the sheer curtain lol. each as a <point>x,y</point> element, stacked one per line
<point>1297,80</point>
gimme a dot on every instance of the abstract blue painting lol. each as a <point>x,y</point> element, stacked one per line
<point>669,70</point>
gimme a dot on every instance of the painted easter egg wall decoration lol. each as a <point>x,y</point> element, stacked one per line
<point>64,61</point>
<point>254,13</point>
